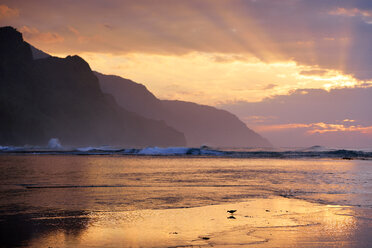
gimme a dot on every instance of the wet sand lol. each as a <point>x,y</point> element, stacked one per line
<point>59,201</point>
<point>271,222</point>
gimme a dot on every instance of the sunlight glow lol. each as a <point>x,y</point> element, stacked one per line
<point>320,127</point>
<point>214,78</point>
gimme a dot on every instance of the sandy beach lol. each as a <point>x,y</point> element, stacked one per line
<point>271,222</point>
<point>183,202</point>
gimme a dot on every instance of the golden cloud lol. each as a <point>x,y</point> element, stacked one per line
<point>351,12</point>
<point>280,127</point>
<point>315,128</point>
<point>326,128</point>
<point>6,12</point>
<point>34,35</point>
<point>316,72</point>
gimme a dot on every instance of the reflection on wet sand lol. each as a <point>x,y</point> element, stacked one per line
<point>272,222</point>
<point>121,201</point>
<point>23,228</point>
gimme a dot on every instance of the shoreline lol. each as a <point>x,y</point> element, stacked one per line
<point>58,201</point>
<point>256,223</point>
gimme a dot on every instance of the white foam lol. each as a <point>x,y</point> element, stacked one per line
<point>86,149</point>
<point>96,148</point>
<point>54,143</point>
<point>211,152</point>
<point>164,151</point>
<point>4,148</point>
<point>177,151</point>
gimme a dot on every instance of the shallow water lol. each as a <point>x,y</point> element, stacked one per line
<point>134,201</point>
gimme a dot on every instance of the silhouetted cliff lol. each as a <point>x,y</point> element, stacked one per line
<point>201,124</point>
<point>132,96</point>
<point>55,97</point>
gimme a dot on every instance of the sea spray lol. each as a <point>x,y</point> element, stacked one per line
<point>54,143</point>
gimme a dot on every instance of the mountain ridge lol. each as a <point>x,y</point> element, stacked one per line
<point>61,98</point>
<point>201,124</point>
<point>197,124</point>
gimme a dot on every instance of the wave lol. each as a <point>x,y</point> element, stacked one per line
<point>312,152</point>
<point>178,151</point>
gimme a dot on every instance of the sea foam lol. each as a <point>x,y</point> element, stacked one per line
<point>54,143</point>
<point>55,147</point>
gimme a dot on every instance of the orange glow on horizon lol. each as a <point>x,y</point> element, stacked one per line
<point>319,127</point>
<point>210,78</point>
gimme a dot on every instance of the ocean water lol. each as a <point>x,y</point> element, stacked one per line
<point>46,198</point>
<point>54,147</point>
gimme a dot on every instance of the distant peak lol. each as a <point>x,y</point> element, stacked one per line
<point>74,57</point>
<point>13,49</point>
<point>78,60</point>
<point>8,29</point>
<point>10,33</point>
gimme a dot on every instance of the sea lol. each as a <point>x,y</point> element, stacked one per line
<point>179,197</point>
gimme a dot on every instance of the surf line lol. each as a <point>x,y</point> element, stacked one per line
<point>136,186</point>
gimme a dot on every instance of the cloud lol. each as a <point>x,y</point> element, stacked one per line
<point>74,30</point>
<point>227,58</point>
<point>314,72</point>
<point>315,33</point>
<point>313,128</point>
<point>326,128</point>
<point>365,15</point>
<point>348,120</point>
<point>6,12</point>
<point>276,128</point>
<point>230,81</point>
<point>270,86</point>
<point>351,12</point>
<point>108,26</point>
<point>315,106</point>
<point>257,118</point>
<point>339,117</point>
<point>33,34</point>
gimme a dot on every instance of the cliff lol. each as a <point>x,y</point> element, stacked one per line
<point>201,124</point>
<point>61,97</point>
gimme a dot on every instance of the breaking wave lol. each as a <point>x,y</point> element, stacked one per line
<point>311,152</point>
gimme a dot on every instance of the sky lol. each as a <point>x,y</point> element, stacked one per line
<point>269,62</point>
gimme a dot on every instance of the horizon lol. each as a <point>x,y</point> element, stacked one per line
<point>295,72</point>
